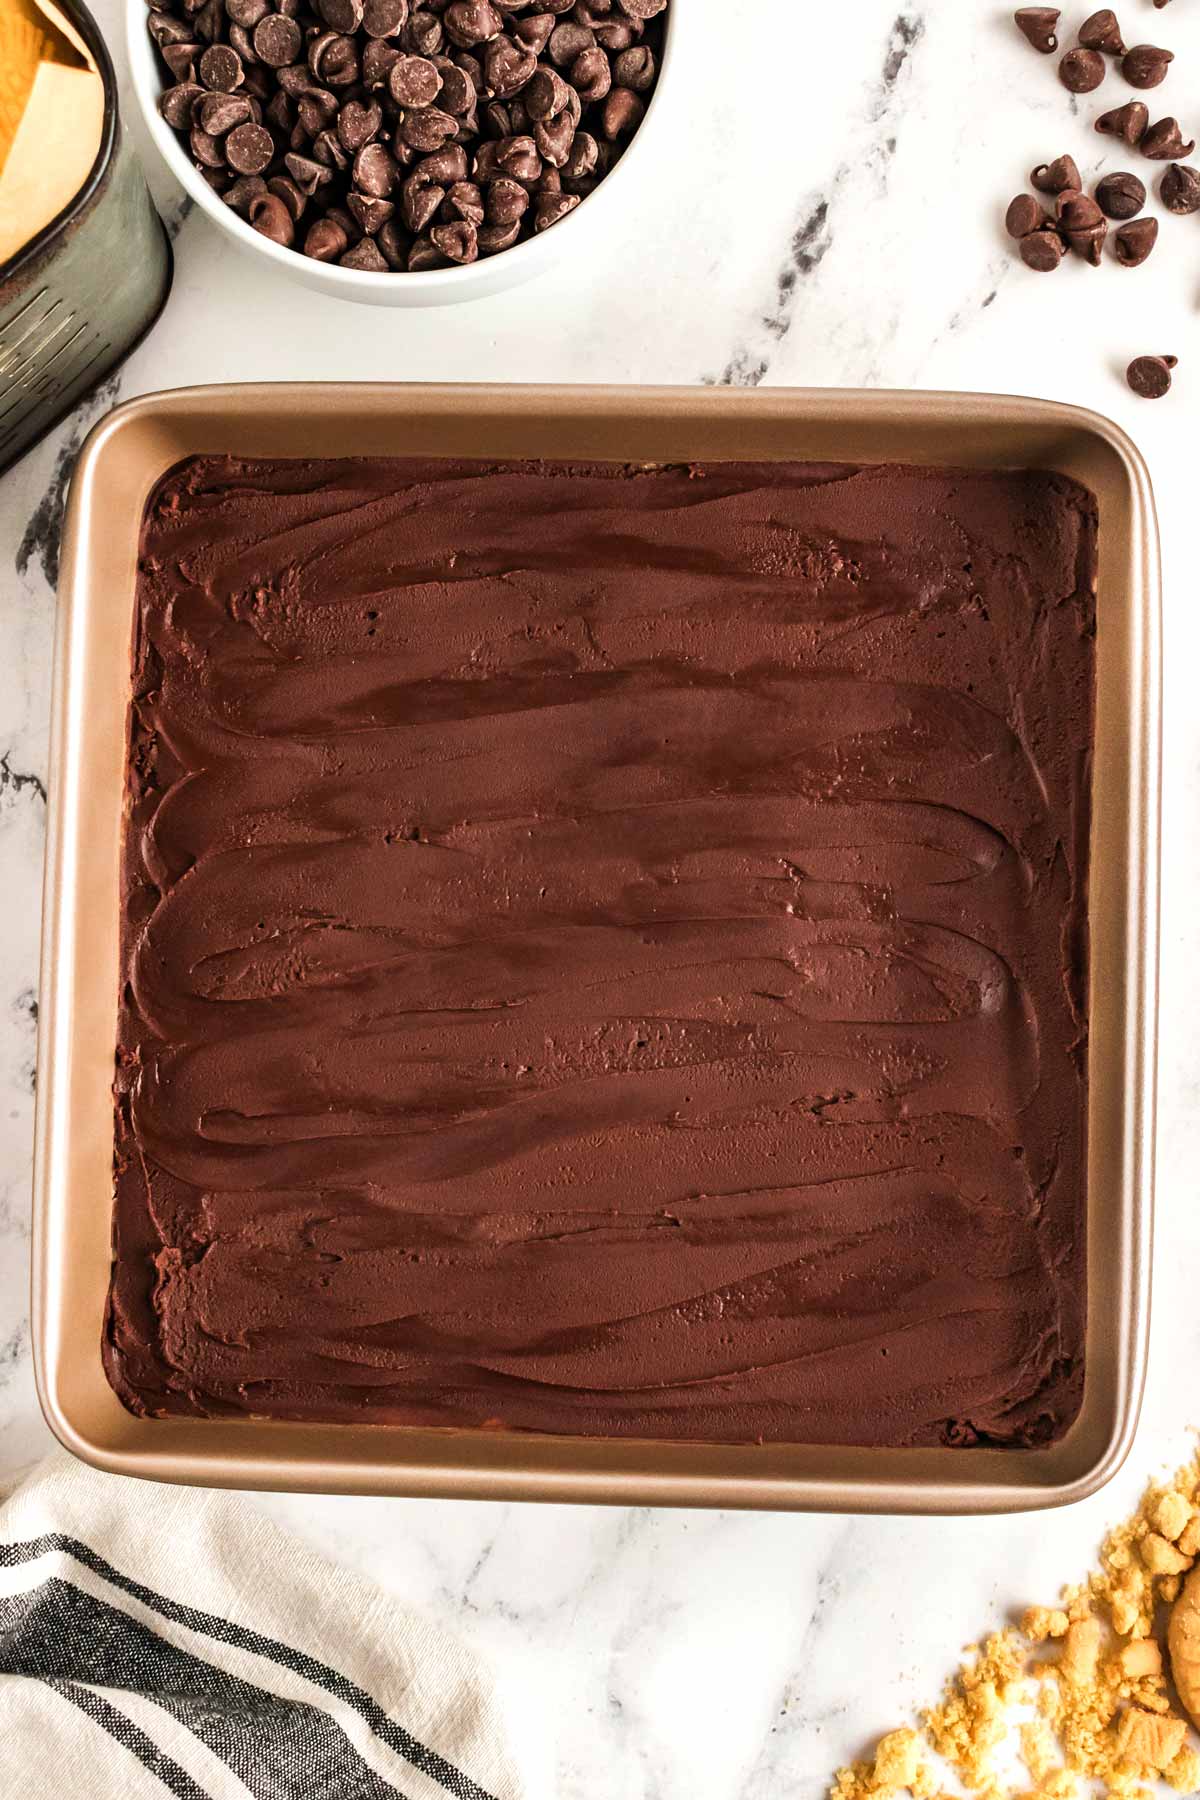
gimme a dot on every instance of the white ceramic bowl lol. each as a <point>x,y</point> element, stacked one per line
<point>578,235</point>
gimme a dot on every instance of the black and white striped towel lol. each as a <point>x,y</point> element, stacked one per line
<point>159,1641</point>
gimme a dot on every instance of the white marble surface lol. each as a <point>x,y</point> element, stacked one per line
<point>830,215</point>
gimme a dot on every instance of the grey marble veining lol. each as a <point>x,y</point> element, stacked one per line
<point>827,211</point>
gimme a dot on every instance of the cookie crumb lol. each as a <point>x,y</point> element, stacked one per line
<point>1092,1672</point>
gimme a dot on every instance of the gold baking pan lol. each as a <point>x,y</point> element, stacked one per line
<point>122,459</point>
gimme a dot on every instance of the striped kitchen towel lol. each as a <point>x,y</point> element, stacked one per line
<point>159,1640</point>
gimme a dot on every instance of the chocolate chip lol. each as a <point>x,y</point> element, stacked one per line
<point>507,201</point>
<point>341,15</point>
<point>1179,189</point>
<point>1084,226</point>
<point>277,40</point>
<point>551,208</point>
<point>242,191</point>
<point>358,124</point>
<point>176,104</point>
<point>1128,122</point>
<point>458,91</point>
<point>493,238</point>
<point>1056,177</point>
<point>535,32</point>
<point>1146,65</point>
<point>207,150</point>
<point>622,113</point>
<point>220,68</point>
<point>247,13</point>
<point>270,216</point>
<point>636,68</point>
<point>465,201</point>
<point>554,139</point>
<point>475,106</point>
<point>1100,31</point>
<point>508,67</point>
<point>1023,216</point>
<point>424,254</point>
<point>421,199</point>
<point>366,256</point>
<point>1150,376</point>
<point>591,75</point>
<point>1135,241</point>
<point>423,34</point>
<point>1042,250</point>
<point>325,240</point>
<point>471,22</point>
<point>307,173</point>
<point>547,95</point>
<point>375,171</point>
<point>333,59</point>
<point>1082,71</point>
<point>1121,195</point>
<point>384,18</point>
<point>1163,142</point>
<point>219,113</point>
<point>249,148</point>
<point>285,189</point>
<point>369,212</point>
<point>394,244</point>
<point>181,60</point>
<point>518,157</point>
<point>457,242</point>
<point>414,81</point>
<point>426,127</point>
<point>316,111</point>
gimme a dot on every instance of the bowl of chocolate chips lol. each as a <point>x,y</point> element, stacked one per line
<point>403,152</point>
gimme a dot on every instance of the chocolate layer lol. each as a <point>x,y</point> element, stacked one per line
<point>605,950</point>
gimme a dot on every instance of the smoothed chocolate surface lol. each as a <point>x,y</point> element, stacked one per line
<point>605,950</point>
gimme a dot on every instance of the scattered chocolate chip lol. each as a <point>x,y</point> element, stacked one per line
<point>1082,71</point>
<point>1084,226</point>
<point>1135,241</point>
<point>1146,65</point>
<point>1100,31</point>
<point>1163,142</point>
<point>1042,250</point>
<point>1121,195</point>
<point>1179,189</point>
<point>1023,216</point>
<point>1056,177</point>
<point>1128,122</point>
<point>1150,376</point>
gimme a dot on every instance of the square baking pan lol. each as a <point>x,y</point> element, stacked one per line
<point>121,462</point>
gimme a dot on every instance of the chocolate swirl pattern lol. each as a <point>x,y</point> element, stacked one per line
<point>605,950</point>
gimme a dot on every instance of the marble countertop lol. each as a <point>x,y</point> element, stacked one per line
<point>828,214</point>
